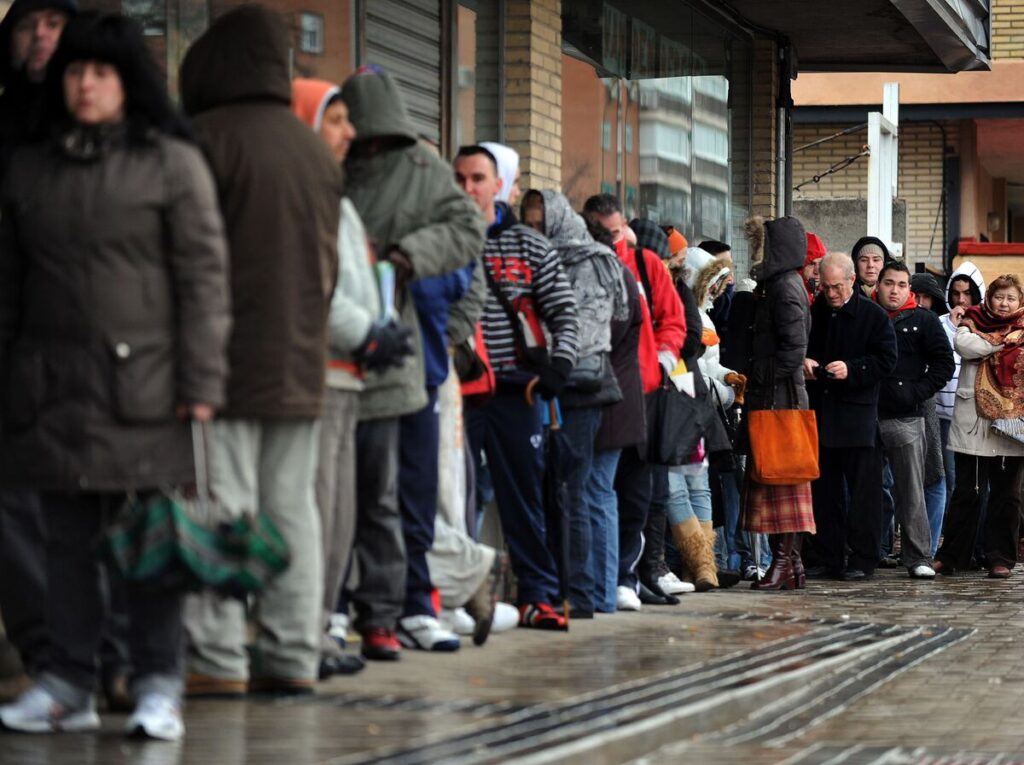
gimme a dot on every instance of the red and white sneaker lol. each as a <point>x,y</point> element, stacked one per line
<point>381,644</point>
<point>541,616</point>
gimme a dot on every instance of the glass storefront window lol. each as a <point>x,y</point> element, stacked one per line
<point>662,75</point>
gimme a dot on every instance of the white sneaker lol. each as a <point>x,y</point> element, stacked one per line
<point>458,621</point>
<point>156,716</point>
<point>426,634</point>
<point>626,599</point>
<point>506,617</point>
<point>922,572</point>
<point>671,584</point>
<point>338,629</point>
<point>36,711</point>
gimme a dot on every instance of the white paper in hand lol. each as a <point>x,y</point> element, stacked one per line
<point>684,383</point>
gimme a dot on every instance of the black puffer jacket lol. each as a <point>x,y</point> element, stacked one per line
<point>924,365</point>
<point>114,308</point>
<point>782,320</point>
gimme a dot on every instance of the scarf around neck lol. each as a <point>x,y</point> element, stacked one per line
<point>907,306</point>
<point>999,387</point>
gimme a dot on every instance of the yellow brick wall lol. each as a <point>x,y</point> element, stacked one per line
<point>1007,29</point>
<point>764,172</point>
<point>533,87</point>
<point>920,178</point>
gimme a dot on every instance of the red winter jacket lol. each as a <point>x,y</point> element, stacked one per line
<point>668,330</point>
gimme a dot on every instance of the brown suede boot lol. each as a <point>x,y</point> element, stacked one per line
<point>707,572</point>
<point>698,557</point>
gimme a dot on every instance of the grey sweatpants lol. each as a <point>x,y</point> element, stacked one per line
<point>904,442</point>
<point>266,466</point>
<point>458,563</point>
<point>336,490</point>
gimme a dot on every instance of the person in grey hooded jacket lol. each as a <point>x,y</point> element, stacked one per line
<point>598,281</point>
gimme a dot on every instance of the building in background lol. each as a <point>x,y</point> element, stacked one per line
<point>961,157</point>
<point>681,107</point>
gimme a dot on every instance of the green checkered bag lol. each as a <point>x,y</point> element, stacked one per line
<point>166,539</point>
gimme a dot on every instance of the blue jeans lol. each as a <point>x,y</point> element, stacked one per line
<point>947,460</point>
<point>512,434</point>
<point>689,494</point>
<point>574,450</point>
<point>734,547</point>
<point>935,503</point>
<point>603,510</point>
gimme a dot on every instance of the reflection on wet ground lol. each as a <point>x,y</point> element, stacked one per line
<point>963,698</point>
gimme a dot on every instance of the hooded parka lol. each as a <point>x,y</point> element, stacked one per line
<point>280,194</point>
<point>114,309</point>
<point>945,399</point>
<point>408,200</point>
<point>782,316</point>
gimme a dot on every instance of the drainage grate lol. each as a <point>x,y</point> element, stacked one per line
<point>778,725</point>
<point>472,707</point>
<point>705,694</point>
<point>880,755</point>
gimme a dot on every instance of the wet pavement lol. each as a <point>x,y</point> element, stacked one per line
<point>890,671</point>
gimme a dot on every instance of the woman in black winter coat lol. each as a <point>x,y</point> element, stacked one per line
<point>113,326</point>
<point>782,321</point>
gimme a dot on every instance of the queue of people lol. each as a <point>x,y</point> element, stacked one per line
<point>369,340</point>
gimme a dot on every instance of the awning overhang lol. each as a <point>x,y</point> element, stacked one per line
<point>877,35</point>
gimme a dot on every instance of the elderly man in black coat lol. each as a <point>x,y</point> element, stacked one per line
<point>852,348</point>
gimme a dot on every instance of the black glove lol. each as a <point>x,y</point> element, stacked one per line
<point>553,378</point>
<point>386,345</point>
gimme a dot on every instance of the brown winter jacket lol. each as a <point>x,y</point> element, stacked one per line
<point>113,309</point>
<point>280,194</point>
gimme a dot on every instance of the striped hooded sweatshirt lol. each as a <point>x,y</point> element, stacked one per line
<point>527,271</point>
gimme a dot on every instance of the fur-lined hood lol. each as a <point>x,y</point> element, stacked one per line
<point>776,246</point>
<point>702,271</point>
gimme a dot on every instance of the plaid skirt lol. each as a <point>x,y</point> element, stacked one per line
<point>778,509</point>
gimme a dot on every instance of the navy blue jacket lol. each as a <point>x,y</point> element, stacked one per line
<point>433,297</point>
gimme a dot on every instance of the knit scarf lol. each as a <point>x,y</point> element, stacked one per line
<point>999,387</point>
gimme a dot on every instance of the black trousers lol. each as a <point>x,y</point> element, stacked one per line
<point>78,602</point>
<point>854,524</point>
<point>23,589</point>
<point>1004,477</point>
<point>652,562</point>
<point>23,576</point>
<point>633,484</point>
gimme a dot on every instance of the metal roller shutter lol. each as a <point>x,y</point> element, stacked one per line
<point>404,37</point>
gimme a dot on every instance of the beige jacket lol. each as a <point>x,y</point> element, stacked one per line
<point>970,433</point>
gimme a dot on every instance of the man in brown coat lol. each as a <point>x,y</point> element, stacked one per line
<point>280,193</point>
